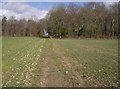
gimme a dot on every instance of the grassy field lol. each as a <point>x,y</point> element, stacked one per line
<point>36,62</point>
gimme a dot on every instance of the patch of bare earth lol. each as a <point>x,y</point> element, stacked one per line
<point>45,73</point>
<point>50,74</point>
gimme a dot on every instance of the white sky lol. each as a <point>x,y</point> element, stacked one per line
<point>21,10</point>
<point>61,0</point>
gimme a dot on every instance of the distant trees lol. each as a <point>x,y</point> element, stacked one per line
<point>4,20</point>
<point>119,18</point>
<point>92,20</point>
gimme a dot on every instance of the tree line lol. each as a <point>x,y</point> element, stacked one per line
<point>93,20</point>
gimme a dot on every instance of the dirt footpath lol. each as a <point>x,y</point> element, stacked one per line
<point>58,69</point>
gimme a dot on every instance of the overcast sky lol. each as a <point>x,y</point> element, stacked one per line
<point>27,8</point>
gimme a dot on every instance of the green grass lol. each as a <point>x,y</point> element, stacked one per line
<point>18,55</point>
<point>97,59</point>
<point>100,58</point>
